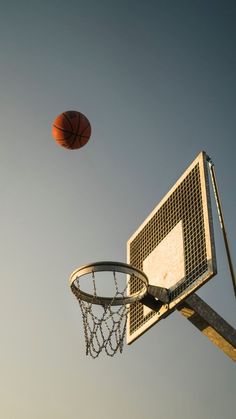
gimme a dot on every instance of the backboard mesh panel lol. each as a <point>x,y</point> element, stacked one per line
<point>184,204</point>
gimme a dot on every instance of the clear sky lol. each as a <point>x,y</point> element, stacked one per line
<point>157,81</point>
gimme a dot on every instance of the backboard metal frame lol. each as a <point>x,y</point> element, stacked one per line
<point>186,207</point>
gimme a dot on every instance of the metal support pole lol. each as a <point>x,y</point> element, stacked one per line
<point>210,323</point>
<point>221,218</point>
<point>205,319</point>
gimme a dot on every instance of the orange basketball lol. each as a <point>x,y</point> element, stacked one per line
<point>71,129</point>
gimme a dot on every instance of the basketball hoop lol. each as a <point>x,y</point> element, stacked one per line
<point>105,318</point>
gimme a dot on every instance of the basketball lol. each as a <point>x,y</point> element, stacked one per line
<point>71,129</point>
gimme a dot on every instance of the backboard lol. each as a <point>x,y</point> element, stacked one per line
<point>174,246</point>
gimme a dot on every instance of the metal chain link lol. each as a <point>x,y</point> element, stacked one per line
<point>106,332</point>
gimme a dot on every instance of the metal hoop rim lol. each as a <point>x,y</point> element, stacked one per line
<point>110,267</point>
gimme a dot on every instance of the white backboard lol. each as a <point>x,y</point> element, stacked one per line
<point>174,246</point>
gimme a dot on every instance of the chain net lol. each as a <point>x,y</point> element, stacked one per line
<point>104,325</point>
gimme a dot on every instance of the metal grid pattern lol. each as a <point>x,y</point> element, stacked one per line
<point>184,204</point>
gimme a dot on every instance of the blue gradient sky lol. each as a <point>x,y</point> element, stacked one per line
<point>157,81</point>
